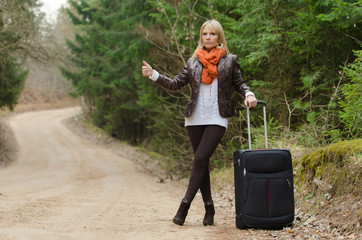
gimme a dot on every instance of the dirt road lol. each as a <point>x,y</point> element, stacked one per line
<point>62,186</point>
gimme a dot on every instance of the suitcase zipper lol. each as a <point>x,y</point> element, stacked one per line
<point>244,172</point>
<point>290,185</point>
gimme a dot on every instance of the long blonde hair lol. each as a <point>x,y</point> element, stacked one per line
<point>216,26</point>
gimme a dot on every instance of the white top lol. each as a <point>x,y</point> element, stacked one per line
<point>207,107</point>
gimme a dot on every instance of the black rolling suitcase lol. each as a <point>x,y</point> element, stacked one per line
<point>264,196</point>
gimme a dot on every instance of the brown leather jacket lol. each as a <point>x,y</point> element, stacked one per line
<point>228,74</point>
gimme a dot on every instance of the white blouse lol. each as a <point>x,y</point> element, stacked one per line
<point>207,107</point>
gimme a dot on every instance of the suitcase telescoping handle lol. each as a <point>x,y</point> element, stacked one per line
<point>248,118</point>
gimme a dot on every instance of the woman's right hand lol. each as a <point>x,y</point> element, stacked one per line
<point>147,70</point>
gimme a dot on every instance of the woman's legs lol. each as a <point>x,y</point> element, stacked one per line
<point>204,140</point>
<point>195,135</point>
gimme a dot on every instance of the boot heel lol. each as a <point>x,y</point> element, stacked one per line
<point>181,214</point>
<point>209,214</point>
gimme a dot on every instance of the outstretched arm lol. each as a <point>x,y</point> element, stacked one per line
<point>176,83</point>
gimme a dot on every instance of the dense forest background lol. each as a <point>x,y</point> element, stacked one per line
<point>302,57</point>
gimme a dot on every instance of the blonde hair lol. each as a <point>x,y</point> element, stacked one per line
<point>216,26</point>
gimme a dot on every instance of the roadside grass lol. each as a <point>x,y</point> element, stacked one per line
<point>328,184</point>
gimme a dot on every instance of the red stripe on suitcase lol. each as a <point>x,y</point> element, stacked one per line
<point>268,199</point>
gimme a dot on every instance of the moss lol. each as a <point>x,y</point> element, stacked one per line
<point>335,153</point>
<point>338,166</point>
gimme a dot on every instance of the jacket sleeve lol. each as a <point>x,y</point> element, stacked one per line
<point>238,81</point>
<point>181,80</point>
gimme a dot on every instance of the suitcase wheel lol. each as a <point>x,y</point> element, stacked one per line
<point>240,223</point>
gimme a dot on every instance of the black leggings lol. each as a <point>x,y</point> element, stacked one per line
<point>204,140</point>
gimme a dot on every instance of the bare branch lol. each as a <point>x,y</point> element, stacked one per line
<point>174,32</point>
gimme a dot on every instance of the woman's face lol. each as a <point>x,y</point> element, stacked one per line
<point>209,38</point>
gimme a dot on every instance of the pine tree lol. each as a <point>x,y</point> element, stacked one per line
<point>19,23</point>
<point>351,103</point>
<point>106,51</point>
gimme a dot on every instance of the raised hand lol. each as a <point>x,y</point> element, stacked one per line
<point>147,69</point>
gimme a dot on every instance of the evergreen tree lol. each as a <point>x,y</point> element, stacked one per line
<point>19,23</point>
<point>351,103</point>
<point>323,39</point>
<point>106,51</point>
<point>12,79</point>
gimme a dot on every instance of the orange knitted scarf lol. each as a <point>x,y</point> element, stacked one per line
<point>209,60</point>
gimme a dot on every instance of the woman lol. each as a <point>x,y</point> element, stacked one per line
<point>211,72</point>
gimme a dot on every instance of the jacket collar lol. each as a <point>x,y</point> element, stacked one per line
<point>220,65</point>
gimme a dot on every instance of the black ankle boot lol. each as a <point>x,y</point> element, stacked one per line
<point>181,214</point>
<point>210,212</point>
